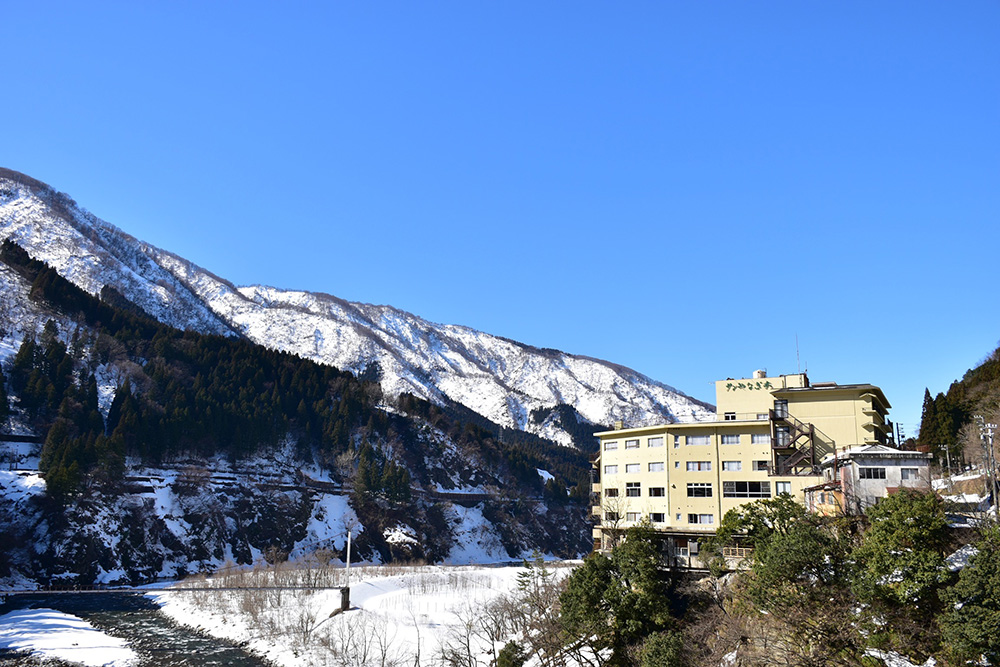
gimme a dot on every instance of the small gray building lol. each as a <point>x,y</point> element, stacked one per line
<point>859,477</point>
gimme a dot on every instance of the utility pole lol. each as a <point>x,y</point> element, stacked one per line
<point>345,592</point>
<point>986,432</point>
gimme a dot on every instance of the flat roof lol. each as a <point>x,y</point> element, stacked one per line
<point>823,387</point>
<point>656,428</point>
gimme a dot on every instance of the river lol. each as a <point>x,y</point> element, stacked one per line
<point>159,641</point>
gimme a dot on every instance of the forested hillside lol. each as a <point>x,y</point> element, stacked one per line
<point>184,398</point>
<point>947,425</point>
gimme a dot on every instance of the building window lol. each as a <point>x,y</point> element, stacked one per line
<point>655,442</point>
<point>611,516</point>
<point>699,490</point>
<point>762,416</point>
<point>909,473</point>
<point>632,490</point>
<point>782,487</point>
<point>696,466</point>
<point>631,444</point>
<point>631,468</point>
<point>610,470</point>
<point>699,440</point>
<point>611,446</point>
<point>657,517</point>
<point>656,466</point>
<point>701,518</point>
<point>657,491</point>
<point>730,416</point>
<point>632,516</point>
<point>871,473</point>
<point>746,489</point>
<point>733,439</point>
<point>761,466</point>
<point>610,493</point>
<point>732,466</point>
<point>677,441</point>
<point>760,439</point>
<point>781,409</point>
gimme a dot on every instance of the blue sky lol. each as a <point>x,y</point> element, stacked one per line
<point>684,188</point>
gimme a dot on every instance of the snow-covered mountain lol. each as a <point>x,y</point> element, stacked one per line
<point>501,379</point>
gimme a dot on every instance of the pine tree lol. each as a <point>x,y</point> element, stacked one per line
<point>115,411</point>
<point>24,363</point>
<point>369,476</point>
<point>928,422</point>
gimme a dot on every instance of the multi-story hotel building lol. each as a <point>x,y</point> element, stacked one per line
<point>769,437</point>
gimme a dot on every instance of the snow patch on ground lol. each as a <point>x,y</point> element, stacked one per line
<point>892,659</point>
<point>945,482</point>
<point>49,634</point>
<point>400,534</point>
<point>331,518</point>
<point>401,611</point>
<point>475,539</point>
<point>17,487</point>
<point>960,558</point>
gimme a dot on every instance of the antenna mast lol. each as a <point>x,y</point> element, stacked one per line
<point>798,366</point>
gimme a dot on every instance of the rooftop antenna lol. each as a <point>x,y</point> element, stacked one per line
<point>798,365</point>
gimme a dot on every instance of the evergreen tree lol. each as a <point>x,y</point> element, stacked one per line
<point>617,602</point>
<point>901,558</point>
<point>24,363</point>
<point>368,480</point>
<point>512,655</point>
<point>928,424</point>
<point>971,622</point>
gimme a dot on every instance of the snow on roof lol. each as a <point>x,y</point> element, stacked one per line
<point>878,451</point>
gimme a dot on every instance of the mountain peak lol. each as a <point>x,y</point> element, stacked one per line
<point>503,380</point>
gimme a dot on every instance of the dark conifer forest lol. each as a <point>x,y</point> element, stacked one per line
<point>185,394</point>
<point>946,423</point>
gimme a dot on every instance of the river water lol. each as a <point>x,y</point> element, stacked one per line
<point>159,641</point>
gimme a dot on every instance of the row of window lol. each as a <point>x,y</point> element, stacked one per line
<point>704,490</point>
<point>633,490</point>
<point>658,517</point>
<point>879,473</point>
<point>731,416</point>
<point>634,443</point>
<point>762,465</point>
<point>694,440</point>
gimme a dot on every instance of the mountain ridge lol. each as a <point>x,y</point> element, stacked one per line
<point>501,379</point>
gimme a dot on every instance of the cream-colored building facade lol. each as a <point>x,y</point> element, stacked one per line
<point>769,436</point>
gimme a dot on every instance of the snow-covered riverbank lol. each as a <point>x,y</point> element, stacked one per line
<point>46,633</point>
<point>396,614</point>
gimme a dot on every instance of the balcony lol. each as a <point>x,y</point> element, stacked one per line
<point>737,552</point>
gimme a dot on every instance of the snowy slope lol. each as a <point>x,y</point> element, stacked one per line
<point>92,254</point>
<point>498,378</point>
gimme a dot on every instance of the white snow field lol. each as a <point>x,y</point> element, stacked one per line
<point>49,634</point>
<point>396,614</point>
